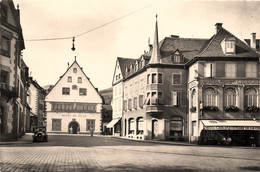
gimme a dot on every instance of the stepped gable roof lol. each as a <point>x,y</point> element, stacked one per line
<point>124,63</point>
<point>188,47</point>
<point>213,46</point>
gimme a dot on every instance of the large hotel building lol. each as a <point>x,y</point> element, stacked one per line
<point>189,89</point>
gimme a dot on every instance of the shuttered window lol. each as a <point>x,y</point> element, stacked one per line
<point>251,70</point>
<point>230,70</point>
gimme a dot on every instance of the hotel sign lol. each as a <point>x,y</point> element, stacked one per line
<point>230,82</point>
<point>232,128</point>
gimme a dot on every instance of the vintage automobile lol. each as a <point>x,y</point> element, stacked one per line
<point>39,134</point>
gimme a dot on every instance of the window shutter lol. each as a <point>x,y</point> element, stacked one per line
<point>220,69</point>
<point>201,69</point>
<point>240,69</point>
<point>178,98</point>
<point>174,98</point>
<point>208,70</point>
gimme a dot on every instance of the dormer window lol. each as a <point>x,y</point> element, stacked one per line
<point>176,57</point>
<point>229,44</point>
<point>230,47</point>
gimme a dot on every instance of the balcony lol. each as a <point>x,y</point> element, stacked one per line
<point>8,91</point>
<point>154,106</point>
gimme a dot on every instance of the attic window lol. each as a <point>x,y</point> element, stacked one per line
<point>230,45</point>
<point>74,70</point>
<point>176,58</point>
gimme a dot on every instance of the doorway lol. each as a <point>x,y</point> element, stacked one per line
<point>155,128</point>
<point>73,127</point>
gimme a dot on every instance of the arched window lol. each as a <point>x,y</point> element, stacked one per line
<point>230,97</point>
<point>131,126</point>
<point>193,98</point>
<point>250,97</point>
<point>140,123</point>
<point>209,97</point>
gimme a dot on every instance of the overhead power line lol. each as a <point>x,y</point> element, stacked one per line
<point>70,37</point>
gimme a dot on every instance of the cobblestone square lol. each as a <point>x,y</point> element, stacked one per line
<point>84,153</point>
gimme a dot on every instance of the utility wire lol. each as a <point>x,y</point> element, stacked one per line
<point>61,38</point>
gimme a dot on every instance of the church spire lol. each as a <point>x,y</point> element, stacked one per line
<point>156,56</point>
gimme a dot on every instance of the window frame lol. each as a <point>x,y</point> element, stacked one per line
<point>82,93</point>
<point>92,125</point>
<point>55,127</point>
<point>6,53</point>
<point>79,79</point>
<point>251,70</point>
<point>209,99</point>
<point>63,91</point>
<point>179,73</point>
<point>230,68</point>
<point>230,97</point>
<point>69,79</point>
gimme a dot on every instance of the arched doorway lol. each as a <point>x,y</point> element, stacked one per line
<point>73,127</point>
<point>155,128</point>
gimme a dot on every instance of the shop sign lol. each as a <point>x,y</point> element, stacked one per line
<point>74,115</point>
<point>232,128</point>
<point>230,82</point>
<point>176,125</point>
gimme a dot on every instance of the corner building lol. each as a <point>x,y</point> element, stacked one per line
<point>199,90</point>
<point>73,105</point>
<point>155,90</point>
<point>224,92</point>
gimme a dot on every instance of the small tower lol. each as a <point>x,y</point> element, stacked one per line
<point>156,56</point>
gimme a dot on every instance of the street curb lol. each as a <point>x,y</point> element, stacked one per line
<point>159,142</point>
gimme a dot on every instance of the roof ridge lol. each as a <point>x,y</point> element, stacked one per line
<point>188,38</point>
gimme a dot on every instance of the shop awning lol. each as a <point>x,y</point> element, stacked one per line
<point>113,122</point>
<point>231,125</point>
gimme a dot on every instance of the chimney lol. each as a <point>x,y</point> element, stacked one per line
<point>218,27</point>
<point>175,36</point>
<point>253,40</point>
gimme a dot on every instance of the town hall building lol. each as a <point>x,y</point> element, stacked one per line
<point>74,105</point>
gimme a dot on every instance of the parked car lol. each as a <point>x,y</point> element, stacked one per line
<point>39,134</point>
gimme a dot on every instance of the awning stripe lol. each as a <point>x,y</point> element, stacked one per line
<point>112,123</point>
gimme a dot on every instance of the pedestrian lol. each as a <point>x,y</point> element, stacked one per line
<point>78,129</point>
<point>91,132</point>
<point>229,140</point>
<point>252,141</point>
<point>70,130</point>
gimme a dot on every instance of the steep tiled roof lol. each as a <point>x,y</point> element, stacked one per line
<point>187,46</point>
<point>213,47</point>
<point>124,63</point>
<point>257,44</point>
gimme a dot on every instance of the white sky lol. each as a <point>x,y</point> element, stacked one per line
<point>97,51</point>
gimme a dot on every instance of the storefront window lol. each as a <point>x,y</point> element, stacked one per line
<point>176,126</point>
<point>140,122</point>
<point>131,126</point>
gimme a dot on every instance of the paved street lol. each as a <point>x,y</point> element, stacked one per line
<point>84,153</point>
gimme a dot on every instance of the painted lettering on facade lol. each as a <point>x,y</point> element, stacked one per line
<point>232,128</point>
<point>230,82</point>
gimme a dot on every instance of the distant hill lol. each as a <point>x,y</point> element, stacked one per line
<point>107,95</point>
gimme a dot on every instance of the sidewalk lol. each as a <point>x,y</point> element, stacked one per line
<point>181,143</point>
